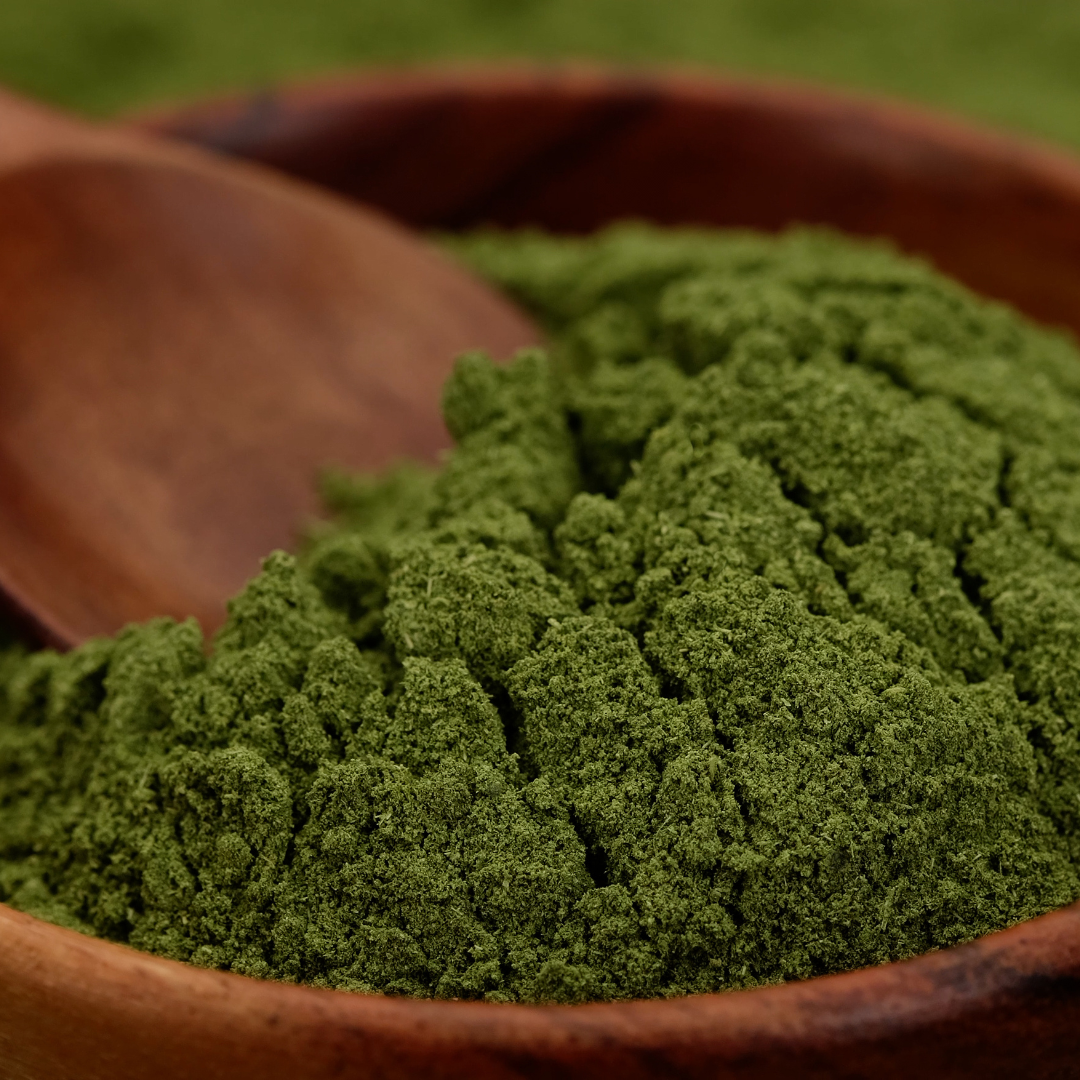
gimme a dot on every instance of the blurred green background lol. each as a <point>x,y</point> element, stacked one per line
<point>1015,63</point>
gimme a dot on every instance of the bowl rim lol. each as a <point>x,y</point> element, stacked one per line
<point>241,117</point>
<point>860,1006</point>
<point>870,135</point>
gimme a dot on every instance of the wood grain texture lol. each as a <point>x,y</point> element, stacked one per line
<point>571,150</point>
<point>184,344</point>
<point>1002,1007</point>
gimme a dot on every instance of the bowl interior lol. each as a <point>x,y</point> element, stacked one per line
<point>573,149</point>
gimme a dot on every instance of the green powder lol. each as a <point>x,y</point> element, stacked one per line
<point>735,642</point>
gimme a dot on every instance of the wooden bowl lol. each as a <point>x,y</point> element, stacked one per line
<point>571,150</point>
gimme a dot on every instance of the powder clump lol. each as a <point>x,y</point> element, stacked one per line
<point>735,642</point>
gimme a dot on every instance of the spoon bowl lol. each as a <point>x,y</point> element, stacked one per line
<point>185,343</point>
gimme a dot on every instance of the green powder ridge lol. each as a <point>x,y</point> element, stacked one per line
<point>735,642</point>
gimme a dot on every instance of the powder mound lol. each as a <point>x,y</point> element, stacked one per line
<point>735,642</point>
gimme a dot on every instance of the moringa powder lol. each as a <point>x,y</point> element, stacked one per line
<point>737,641</point>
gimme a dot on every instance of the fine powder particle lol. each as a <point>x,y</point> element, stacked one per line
<point>735,642</point>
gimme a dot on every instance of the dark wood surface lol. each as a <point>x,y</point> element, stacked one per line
<point>572,150</point>
<point>185,343</point>
<point>1005,1007</point>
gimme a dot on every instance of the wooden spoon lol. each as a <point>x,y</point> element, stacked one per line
<point>184,342</point>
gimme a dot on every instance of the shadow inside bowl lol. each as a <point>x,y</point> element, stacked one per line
<point>572,149</point>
